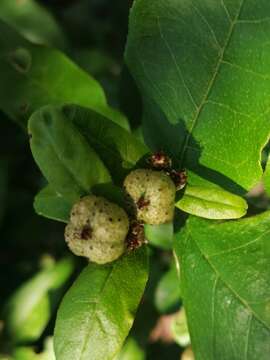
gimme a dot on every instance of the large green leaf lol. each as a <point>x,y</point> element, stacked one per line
<point>29,353</point>
<point>97,312</point>
<point>131,351</point>
<point>74,173</point>
<point>212,203</point>
<point>29,309</point>
<point>119,149</point>
<point>225,280</point>
<point>63,154</point>
<point>203,68</point>
<point>32,76</point>
<point>32,21</point>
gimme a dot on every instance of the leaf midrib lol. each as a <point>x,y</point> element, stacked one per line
<point>211,84</point>
<point>93,314</point>
<point>77,181</point>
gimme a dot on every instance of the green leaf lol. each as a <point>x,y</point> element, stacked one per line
<point>167,293</point>
<point>29,309</point>
<point>24,353</point>
<point>131,351</point>
<point>118,149</point>
<point>225,282</point>
<point>32,21</point>
<point>53,205</point>
<point>160,235</point>
<point>49,78</point>
<point>97,312</point>
<point>28,353</point>
<point>212,203</point>
<point>203,71</point>
<point>179,329</point>
<point>63,154</point>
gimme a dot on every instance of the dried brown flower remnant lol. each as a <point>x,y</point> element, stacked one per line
<point>160,160</point>
<point>179,178</point>
<point>136,237</point>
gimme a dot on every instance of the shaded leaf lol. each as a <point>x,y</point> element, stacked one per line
<point>51,78</point>
<point>212,203</point>
<point>179,329</point>
<point>97,312</point>
<point>53,205</point>
<point>119,149</point>
<point>160,235</point>
<point>167,293</point>
<point>225,282</point>
<point>29,309</point>
<point>63,154</point>
<point>32,21</point>
<point>28,353</point>
<point>50,204</point>
<point>131,351</point>
<point>203,70</point>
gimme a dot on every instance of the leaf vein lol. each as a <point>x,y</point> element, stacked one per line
<point>243,301</point>
<point>247,336</point>
<point>213,314</point>
<point>208,25</point>
<point>94,312</point>
<point>226,10</point>
<point>211,83</point>
<point>240,246</point>
<point>179,71</point>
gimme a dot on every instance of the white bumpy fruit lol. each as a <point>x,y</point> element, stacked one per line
<point>153,193</point>
<point>97,229</point>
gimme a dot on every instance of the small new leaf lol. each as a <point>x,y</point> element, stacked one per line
<point>212,203</point>
<point>29,309</point>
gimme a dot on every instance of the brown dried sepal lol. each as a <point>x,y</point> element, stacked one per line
<point>179,178</point>
<point>160,161</point>
<point>135,237</point>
